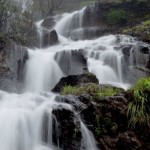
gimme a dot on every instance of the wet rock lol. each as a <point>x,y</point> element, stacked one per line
<point>50,38</point>
<point>12,61</point>
<point>108,115</point>
<point>71,62</point>
<point>75,80</point>
<point>128,140</point>
<point>68,130</point>
<point>75,101</point>
<point>144,49</point>
<point>127,50</point>
<point>48,23</point>
<point>148,63</point>
<point>2,44</point>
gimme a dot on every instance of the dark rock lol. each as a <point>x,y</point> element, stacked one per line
<point>128,140</point>
<point>50,38</point>
<point>48,23</point>
<point>75,80</point>
<point>2,44</point>
<point>148,63</point>
<point>75,101</point>
<point>108,115</point>
<point>127,50</point>
<point>71,62</point>
<point>144,49</point>
<point>68,134</point>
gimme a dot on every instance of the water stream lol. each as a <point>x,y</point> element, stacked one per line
<point>22,115</point>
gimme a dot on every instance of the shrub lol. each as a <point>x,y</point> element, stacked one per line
<point>138,108</point>
<point>116,16</point>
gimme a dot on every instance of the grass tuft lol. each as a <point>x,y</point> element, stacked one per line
<point>138,108</point>
<point>91,89</point>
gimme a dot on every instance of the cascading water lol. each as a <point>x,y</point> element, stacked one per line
<point>23,116</point>
<point>40,32</point>
<point>41,72</point>
<point>71,25</point>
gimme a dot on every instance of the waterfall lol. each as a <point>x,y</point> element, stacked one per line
<point>26,120</point>
<point>88,141</point>
<point>39,32</point>
<point>71,25</point>
<point>41,72</point>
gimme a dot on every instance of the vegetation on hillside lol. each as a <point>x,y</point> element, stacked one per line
<point>141,30</point>
<point>116,16</point>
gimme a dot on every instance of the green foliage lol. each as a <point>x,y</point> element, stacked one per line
<point>142,29</point>
<point>138,109</point>
<point>88,89</point>
<point>116,16</point>
<point>91,89</point>
<point>109,91</point>
<point>147,23</point>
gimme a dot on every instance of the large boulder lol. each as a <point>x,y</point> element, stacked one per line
<point>50,38</point>
<point>71,62</point>
<point>73,80</point>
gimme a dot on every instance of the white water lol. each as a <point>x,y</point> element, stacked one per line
<point>88,141</point>
<point>41,72</point>
<point>39,32</point>
<point>22,115</point>
<point>71,24</point>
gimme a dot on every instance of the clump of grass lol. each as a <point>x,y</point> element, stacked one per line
<point>138,109</point>
<point>108,91</point>
<point>84,89</point>
<point>91,89</point>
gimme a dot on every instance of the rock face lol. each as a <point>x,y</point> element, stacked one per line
<point>75,80</point>
<point>72,62</point>
<point>50,38</point>
<point>105,116</point>
<point>136,56</point>
<point>96,16</point>
<point>12,60</point>
<point>69,135</point>
<point>48,23</point>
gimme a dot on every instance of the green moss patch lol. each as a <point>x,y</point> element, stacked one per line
<point>91,89</point>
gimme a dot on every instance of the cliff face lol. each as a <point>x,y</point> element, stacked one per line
<point>114,17</point>
<point>12,60</point>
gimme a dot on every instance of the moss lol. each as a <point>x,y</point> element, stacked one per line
<point>138,108</point>
<point>92,89</point>
<point>106,126</point>
<point>147,23</point>
<point>141,29</point>
<point>116,16</point>
<point>108,91</point>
